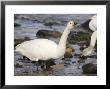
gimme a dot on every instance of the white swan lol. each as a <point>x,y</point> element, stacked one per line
<point>93,27</point>
<point>44,49</point>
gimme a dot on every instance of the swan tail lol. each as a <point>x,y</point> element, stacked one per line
<point>17,48</point>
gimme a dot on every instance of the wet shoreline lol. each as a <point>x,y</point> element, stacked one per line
<point>26,28</point>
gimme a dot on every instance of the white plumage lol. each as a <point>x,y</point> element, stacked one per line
<point>44,49</point>
<point>93,27</point>
<point>38,49</point>
<point>93,23</point>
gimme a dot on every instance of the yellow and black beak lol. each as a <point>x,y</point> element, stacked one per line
<point>82,56</point>
<point>75,23</point>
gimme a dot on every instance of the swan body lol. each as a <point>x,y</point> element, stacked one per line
<point>38,49</point>
<point>44,49</point>
<point>93,27</point>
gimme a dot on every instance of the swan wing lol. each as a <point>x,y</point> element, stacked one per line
<point>39,48</point>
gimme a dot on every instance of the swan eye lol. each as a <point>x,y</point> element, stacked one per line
<point>70,23</point>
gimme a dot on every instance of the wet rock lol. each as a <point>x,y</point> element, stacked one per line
<point>27,18</point>
<point>51,22</point>
<point>18,65</point>
<point>48,33</point>
<point>73,62</point>
<point>16,25</point>
<point>92,56</point>
<point>79,36</point>
<point>26,72</point>
<point>83,47</point>
<point>23,17</point>
<point>18,41</point>
<point>58,67</point>
<point>76,55</point>
<point>68,53</point>
<point>81,61</point>
<point>89,68</point>
<point>68,62</point>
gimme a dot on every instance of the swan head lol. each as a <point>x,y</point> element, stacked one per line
<point>86,52</point>
<point>71,24</point>
<point>83,55</point>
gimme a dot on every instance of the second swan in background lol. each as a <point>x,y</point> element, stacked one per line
<point>93,27</point>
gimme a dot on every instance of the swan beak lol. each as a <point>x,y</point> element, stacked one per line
<point>82,56</point>
<point>75,23</point>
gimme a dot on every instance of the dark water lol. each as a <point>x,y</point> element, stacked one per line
<point>30,25</point>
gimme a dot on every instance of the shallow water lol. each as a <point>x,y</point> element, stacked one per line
<point>30,25</point>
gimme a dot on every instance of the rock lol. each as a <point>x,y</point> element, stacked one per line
<point>68,53</point>
<point>79,36</point>
<point>58,67</point>
<point>51,22</point>
<point>18,65</point>
<point>24,17</point>
<point>16,25</point>
<point>67,62</point>
<point>48,33</point>
<point>81,61</point>
<point>26,38</point>
<point>83,47</point>
<point>89,68</point>
<point>18,41</point>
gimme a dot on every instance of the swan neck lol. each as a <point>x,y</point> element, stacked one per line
<point>93,39</point>
<point>62,42</point>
